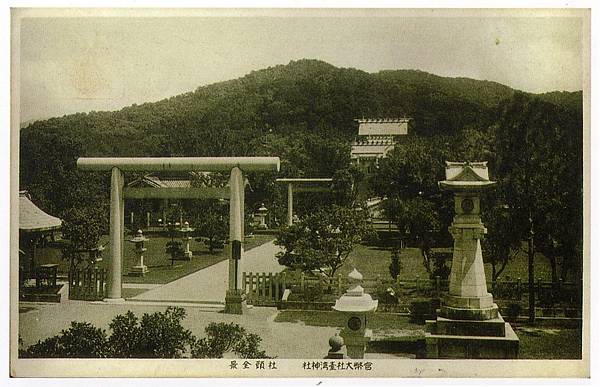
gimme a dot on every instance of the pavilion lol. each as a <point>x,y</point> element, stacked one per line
<point>34,226</point>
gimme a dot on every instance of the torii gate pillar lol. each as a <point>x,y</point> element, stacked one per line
<point>117,228</point>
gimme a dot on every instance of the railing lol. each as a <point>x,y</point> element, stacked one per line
<point>87,284</point>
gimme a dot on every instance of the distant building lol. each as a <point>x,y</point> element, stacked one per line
<point>376,138</point>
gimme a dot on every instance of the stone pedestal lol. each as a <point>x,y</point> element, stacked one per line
<point>235,302</point>
<point>468,325</point>
<point>356,345</point>
<point>138,270</point>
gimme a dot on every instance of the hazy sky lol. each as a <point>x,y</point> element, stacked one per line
<point>81,64</point>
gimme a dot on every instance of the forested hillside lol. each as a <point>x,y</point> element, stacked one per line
<point>302,112</point>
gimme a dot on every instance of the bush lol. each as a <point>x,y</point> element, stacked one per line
<point>514,310</point>
<point>156,335</point>
<point>81,340</point>
<point>222,338</point>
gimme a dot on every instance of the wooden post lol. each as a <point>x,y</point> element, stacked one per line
<point>340,287</point>
<point>116,235</point>
<point>302,281</point>
<point>277,279</point>
<point>147,219</point>
<point>270,286</point>
<point>243,282</point>
<point>290,213</point>
<point>263,286</point>
<point>283,283</point>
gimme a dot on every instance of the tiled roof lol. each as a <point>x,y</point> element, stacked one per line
<point>32,218</point>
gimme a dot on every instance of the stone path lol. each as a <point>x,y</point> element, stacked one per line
<point>210,284</point>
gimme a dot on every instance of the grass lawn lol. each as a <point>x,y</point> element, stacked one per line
<point>549,343</point>
<point>158,261</point>
<point>374,260</point>
<point>535,343</point>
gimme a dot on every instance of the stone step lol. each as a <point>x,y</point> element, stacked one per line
<point>443,326</point>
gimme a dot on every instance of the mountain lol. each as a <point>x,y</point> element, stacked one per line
<point>306,95</point>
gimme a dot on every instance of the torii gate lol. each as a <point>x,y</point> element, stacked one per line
<point>290,185</point>
<point>235,193</point>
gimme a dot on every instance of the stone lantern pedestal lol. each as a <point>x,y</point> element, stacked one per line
<point>468,323</point>
<point>186,238</point>
<point>355,305</point>
<point>140,269</point>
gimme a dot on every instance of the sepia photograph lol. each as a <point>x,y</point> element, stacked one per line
<point>300,192</point>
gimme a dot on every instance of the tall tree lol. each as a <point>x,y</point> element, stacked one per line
<point>540,174</point>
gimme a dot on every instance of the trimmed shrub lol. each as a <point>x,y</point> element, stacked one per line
<point>81,340</point>
<point>222,338</point>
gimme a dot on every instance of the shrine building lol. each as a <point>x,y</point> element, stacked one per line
<point>376,138</point>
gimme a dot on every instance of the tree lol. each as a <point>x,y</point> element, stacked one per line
<point>395,264</point>
<point>502,242</point>
<point>323,241</point>
<point>540,177</point>
<point>343,187</point>
<point>83,228</point>
<point>211,220</point>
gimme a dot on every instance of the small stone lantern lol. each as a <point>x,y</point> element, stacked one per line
<point>336,343</point>
<point>140,269</point>
<point>262,217</point>
<point>355,305</point>
<point>186,230</point>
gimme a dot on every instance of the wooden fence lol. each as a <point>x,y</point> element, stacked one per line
<point>88,284</point>
<point>263,289</point>
<point>267,288</point>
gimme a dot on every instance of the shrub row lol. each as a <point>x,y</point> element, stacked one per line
<point>156,335</point>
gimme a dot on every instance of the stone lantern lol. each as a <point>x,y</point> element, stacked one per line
<point>262,217</point>
<point>140,269</point>
<point>468,323</point>
<point>355,305</point>
<point>186,230</point>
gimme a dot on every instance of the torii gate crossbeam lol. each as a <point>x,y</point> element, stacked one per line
<point>290,189</point>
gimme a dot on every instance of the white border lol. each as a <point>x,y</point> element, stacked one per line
<point>5,162</point>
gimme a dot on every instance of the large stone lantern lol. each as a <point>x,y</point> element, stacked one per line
<point>140,269</point>
<point>468,323</point>
<point>355,305</point>
<point>186,238</point>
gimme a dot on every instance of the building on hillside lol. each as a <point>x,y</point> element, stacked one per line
<point>376,138</point>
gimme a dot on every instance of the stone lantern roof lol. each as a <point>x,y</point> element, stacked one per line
<point>355,299</point>
<point>466,176</point>
<point>139,237</point>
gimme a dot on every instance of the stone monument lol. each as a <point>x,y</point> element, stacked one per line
<point>468,323</point>
<point>355,305</point>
